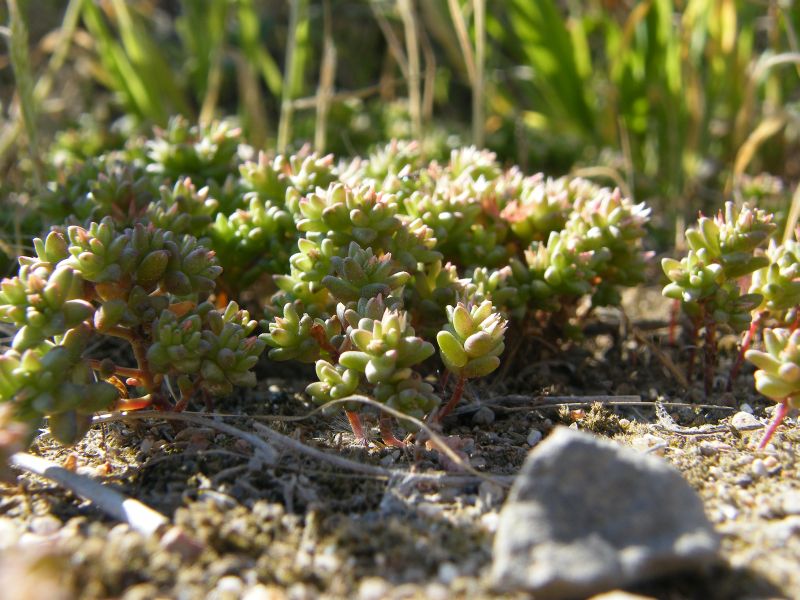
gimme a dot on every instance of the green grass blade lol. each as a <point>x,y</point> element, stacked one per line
<point>545,44</point>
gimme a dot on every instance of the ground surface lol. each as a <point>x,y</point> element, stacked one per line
<point>302,528</point>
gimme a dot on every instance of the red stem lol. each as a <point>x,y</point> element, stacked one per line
<point>356,426</point>
<point>673,321</point>
<point>780,413</point>
<point>387,435</point>
<point>454,399</point>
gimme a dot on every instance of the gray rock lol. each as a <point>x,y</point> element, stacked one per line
<point>587,515</point>
<point>483,416</point>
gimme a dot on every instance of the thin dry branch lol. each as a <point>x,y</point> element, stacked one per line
<point>667,423</point>
<point>395,47</point>
<point>270,453</point>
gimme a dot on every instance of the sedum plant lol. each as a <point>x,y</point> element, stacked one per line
<point>470,344</point>
<point>778,374</point>
<point>140,284</point>
<point>389,246</point>
<point>202,152</point>
<point>706,280</point>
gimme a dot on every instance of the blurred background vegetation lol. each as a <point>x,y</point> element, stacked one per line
<point>681,102</point>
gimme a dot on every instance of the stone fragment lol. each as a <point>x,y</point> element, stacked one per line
<point>534,437</point>
<point>587,515</point>
<point>744,421</point>
<point>758,468</point>
<point>483,417</point>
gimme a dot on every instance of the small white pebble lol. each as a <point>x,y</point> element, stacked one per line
<point>771,462</point>
<point>534,437</point>
<point>729,512</point>
<point>713,448</point>
<point>489,521</point>
<point>230,584</point>
<point>650,443</point>
<point>373,588</point>
<point>758,468</point>
<point>447,573</point>
<point>147,445</point>
<point>746,408</point>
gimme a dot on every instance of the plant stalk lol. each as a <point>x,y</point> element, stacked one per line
<point>387,435</point>
<point>454,399</point>
<point>781,410</point>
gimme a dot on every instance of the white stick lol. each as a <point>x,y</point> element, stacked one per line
<point>139,516</point>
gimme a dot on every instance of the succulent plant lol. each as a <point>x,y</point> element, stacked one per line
<point>104,186</point>
<point>183,209</point>
<point>252,242</point>
<point>705,280</point>
<point>473,339</point>
<point>448,215</point>
<point>52,380</point>
<point>207,152</point>
<point>384,351</point>
<point>778,374</point>
<point>394,168</point>
<point>302,338</point>
<point>361,274</point>
<point>612,227</point>
<point>141,284</point>
<point>474,163</point>
<point>334,382</point>
<point>308,267</point>
<point>470,344</point>
<point>543,205</point>
<point>283,180</point>
<point>778,283</point>
<point>345,215</point>
<point>385,348</point>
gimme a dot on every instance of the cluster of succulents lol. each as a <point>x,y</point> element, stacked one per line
<point>706,281</point>
<point>141,284</point>
<point>359,266</point>
<point>202,152</point>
